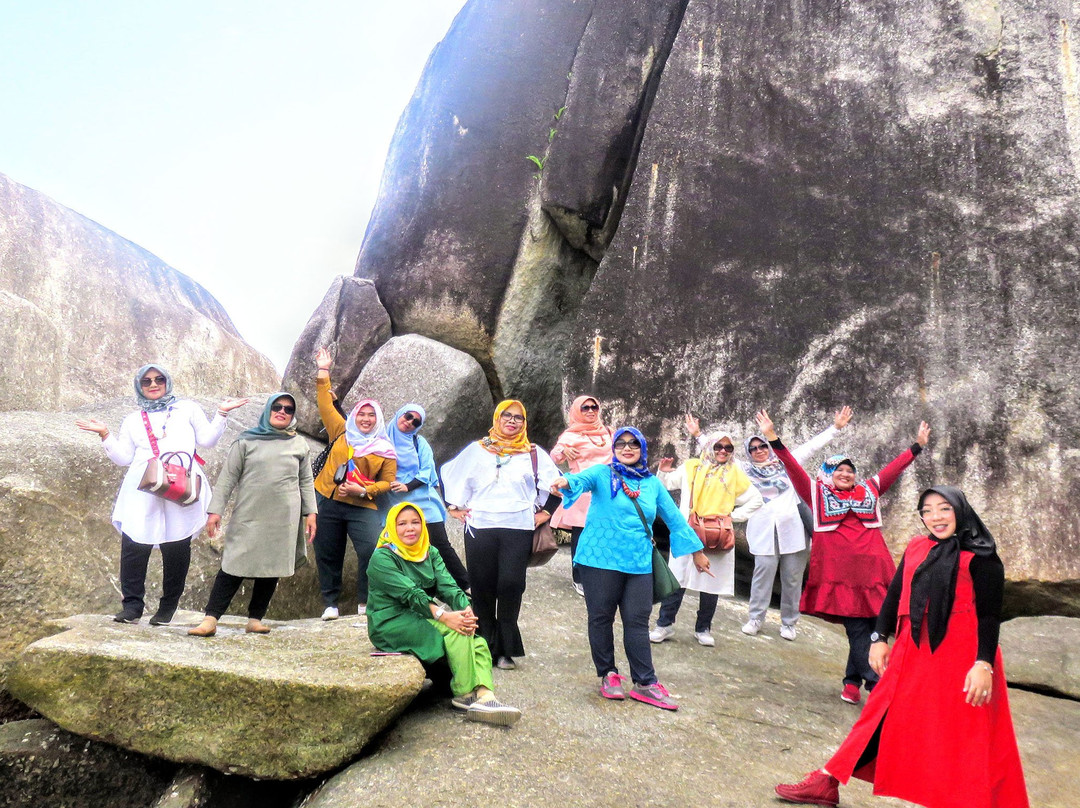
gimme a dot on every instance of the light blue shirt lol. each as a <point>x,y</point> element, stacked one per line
<point>425,496</point>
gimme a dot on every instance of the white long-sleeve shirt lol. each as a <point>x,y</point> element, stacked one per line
<point>146,518</point>
<point>498,490</point>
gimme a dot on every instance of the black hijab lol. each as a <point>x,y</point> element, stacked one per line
<point>933,586</point>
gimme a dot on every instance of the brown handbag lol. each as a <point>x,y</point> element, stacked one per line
<point>715,532</point>
<point>544,545</point>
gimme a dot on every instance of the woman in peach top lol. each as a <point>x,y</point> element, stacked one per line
<point>586,442</point>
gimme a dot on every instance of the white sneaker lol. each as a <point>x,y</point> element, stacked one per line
<point>330,613</point>
<point>705,638</point>
<point>787,632</point>
<point>751,627</point>
<point>661,633</point>
<point>579,589</point>
<point>361,609</point>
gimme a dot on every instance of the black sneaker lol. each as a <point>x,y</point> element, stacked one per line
<point>127,616</point>
<point>162,618</point>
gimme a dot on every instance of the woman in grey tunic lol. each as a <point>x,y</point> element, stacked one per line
<point>269,467</point>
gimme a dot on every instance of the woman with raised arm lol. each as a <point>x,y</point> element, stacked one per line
<point>615,555</point>
<point>163,424</point>
<point>937,730</point>
<point>586,442</point>
<point>850,566</point>
<point>498,486</point>
<point>776,534</point>
<point>360,467</point>
<point>269,469</point>
<point>416,482</point>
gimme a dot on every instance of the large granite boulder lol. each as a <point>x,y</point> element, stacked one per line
<point>449,383</point>
<point>287,705</point>
<point>352,323</point>
<point>85,308</point>
<point>58,548</point>
<point>1043,653</point>
<point>41,764</point>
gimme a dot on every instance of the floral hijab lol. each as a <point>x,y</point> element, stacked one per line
<point>498,442</point>
<point>153,405</point>
<point>638,471</point>
<point>769,477</point>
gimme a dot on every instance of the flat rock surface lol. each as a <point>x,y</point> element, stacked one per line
<point>1043,653</point>
<point>755,711</point>
<point>294,703</point>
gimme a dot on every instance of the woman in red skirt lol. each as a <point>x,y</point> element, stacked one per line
<point>937,729</point>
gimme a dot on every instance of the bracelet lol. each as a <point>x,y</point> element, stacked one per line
<point>982,663</point>
<point>106,435</point>
<point>440,612</point>
<point>226,414</point>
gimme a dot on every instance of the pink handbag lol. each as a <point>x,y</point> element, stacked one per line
<point>167,476</point>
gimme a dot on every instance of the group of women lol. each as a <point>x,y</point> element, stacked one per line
<point>938,698</point>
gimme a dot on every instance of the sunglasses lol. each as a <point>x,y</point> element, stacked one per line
<point>288,409</point>
<point>412,418</point>
<point>590,408</point>
<point>757,447</point>
<point>627,444</point>
<point>512,418</point>
<point>724,447</point>
<point>146,381</point>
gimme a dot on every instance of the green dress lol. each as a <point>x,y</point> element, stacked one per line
<point>399,596</point>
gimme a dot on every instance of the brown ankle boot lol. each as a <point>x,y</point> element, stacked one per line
<point>257,627</point>
<point>207,628</point>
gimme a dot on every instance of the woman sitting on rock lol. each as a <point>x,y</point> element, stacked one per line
<point>363,460</point>
<point>586,442</point>
<point>416,482</point>
<point>615,555</point>
<point>850,566</point>
<point>415,607</point>
<point>163,424</point>
<point>269,468</point>
<point>937,730</point>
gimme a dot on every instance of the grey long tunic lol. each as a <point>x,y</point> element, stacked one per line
<point>272,480</point>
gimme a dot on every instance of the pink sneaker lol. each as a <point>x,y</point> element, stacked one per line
<point>612,686</point>
<point>850,694</point>
<point>817,788</point>
<point>655,694</point>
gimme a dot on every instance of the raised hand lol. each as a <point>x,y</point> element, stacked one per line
<point>843,415</point>
<point>230,404</point>
<point>765,425</point>
<point>666,464</point>
<point>693,425</point>
<point>323,360</point>
<point>924,434</point>
<point>90,425</point>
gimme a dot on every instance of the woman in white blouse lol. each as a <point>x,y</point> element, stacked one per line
<point>775,534</point>
<point>145,520</point>
<point>491,487</point>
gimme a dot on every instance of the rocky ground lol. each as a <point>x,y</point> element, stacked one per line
<point>755,711</point>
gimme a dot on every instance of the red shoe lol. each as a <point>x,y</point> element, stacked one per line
<point>850,694</point>
<point>817,788</point>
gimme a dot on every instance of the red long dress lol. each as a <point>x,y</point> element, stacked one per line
<point>934,749</point>
<point>850,566</point>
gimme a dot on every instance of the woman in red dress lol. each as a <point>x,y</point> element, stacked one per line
<point>937,729</point>
<point>850,566</point>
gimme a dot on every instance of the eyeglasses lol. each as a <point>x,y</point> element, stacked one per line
<point>512,418</point>
<point>757,447</point>
<point>285,408</point>
<point>412,418</point>
<point>590,408</point>
<point>627,444</point>
<point>146,381</point>
<point>724,447</point>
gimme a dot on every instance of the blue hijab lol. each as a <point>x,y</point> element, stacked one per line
<point>405,443</point>
<point>638,471</point>
<point>153,405</point>
<point>266,432</point>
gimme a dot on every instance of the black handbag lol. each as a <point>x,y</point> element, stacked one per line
<point>321,458</point>
<point>544,545</point>
<point>664,582</point>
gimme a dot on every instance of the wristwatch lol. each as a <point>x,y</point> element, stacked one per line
<point>875,637</point>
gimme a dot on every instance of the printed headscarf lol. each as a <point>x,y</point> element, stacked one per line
<point>709,473</point>
<point>498,442</point>
<point>153,405</point>
<point>638,471</point>
<point>264,431</point>
<point>405,443</point>
<point>375,442</point>
<point>933,584</point>
<point>576,419</point>
<point>389,537</point>
<point>769,477</point>
<point>829,466</point>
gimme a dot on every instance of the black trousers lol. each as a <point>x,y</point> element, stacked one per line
<point>225,589</point>
<point>606,591</point>
<point>134,557</point>
<point>338,524</point>
<point>858,670</point>
<point>669,609</point>
<point>575,534</point>
<point>441,542</point>
<point>497,559</point>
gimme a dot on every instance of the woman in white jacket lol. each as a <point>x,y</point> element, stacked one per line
<point>775,534</point>
<point>712,485</point>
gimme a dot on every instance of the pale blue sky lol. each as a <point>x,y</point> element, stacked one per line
<point>241,141</point>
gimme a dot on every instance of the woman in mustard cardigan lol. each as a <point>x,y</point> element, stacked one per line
<point>347,508</point>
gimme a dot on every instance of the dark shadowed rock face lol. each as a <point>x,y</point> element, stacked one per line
<point>83,305</point>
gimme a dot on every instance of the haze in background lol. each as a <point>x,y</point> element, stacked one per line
<point>242,142</point>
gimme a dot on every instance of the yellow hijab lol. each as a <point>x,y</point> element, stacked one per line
<point>715,486</point>
<point>389,537</point>
<point>497,442</point>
